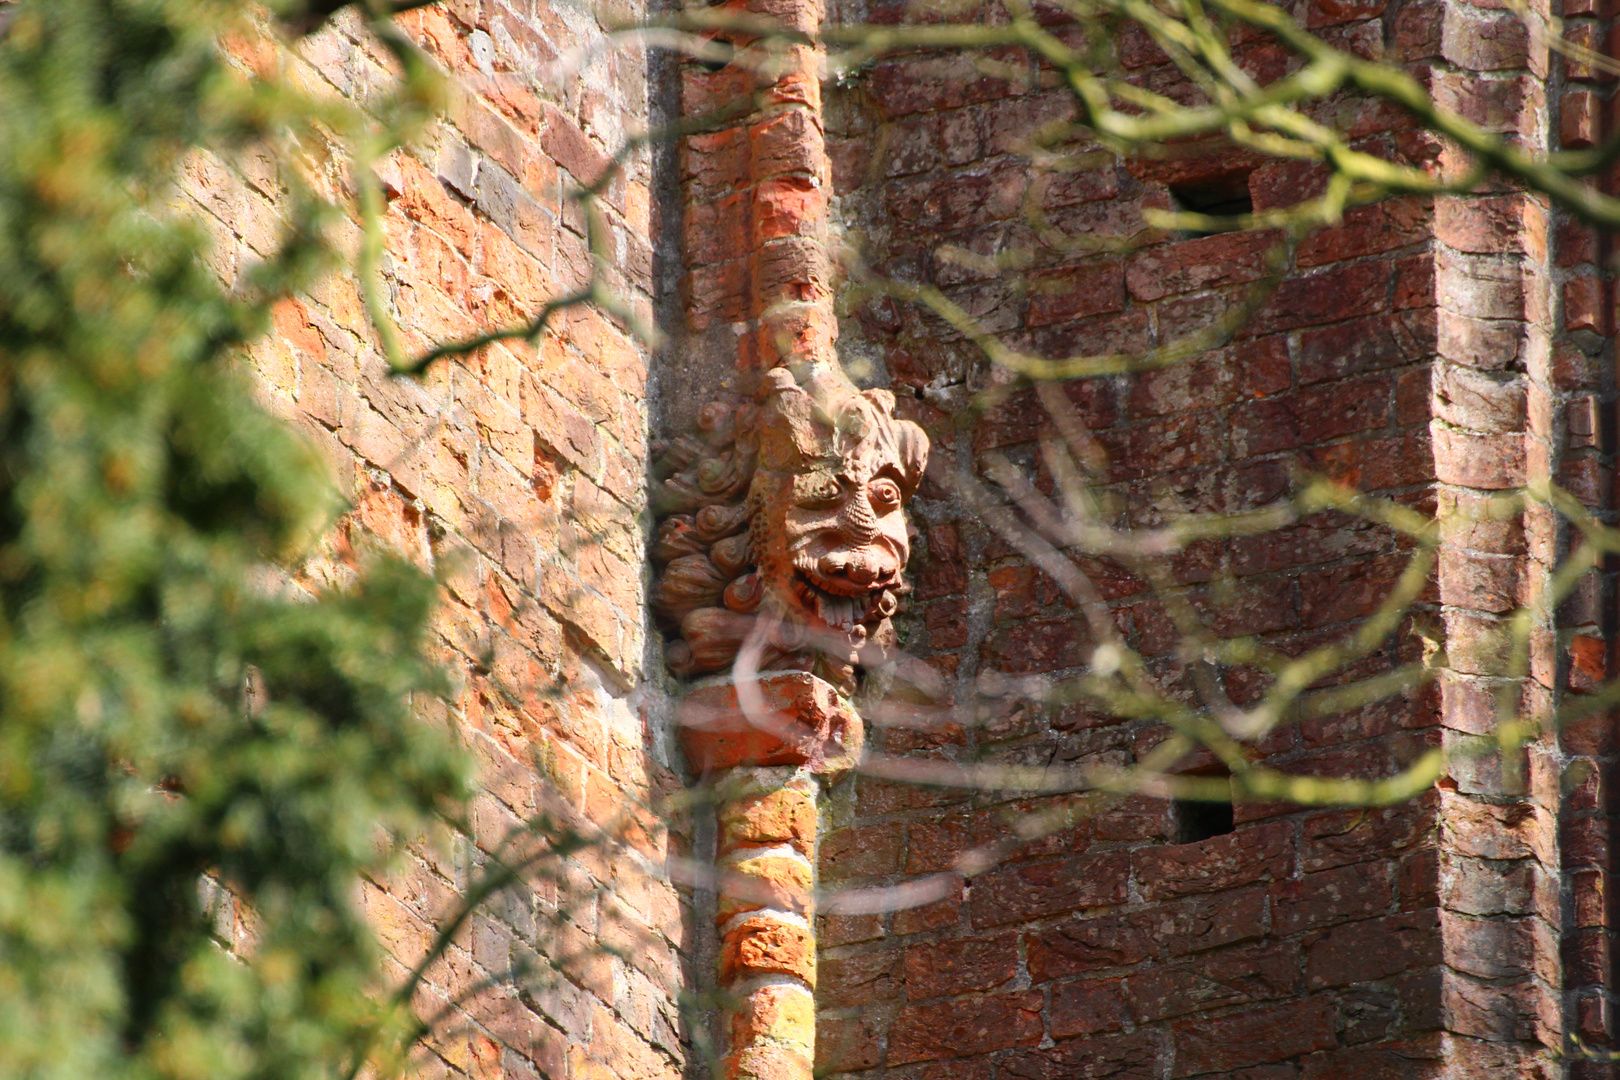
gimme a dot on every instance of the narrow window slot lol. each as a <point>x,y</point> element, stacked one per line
<point>1200,819</point>
<point>1220,196</point>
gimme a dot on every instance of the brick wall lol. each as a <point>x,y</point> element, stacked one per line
<point>1413,940</point>
<point>1434,353</point>
<point>1571,405</point>
<point>517,476</point>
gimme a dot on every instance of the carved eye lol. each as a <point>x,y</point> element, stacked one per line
<point>823,496</point>
<point>885,494</point>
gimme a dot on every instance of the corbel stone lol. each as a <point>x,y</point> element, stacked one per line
<point>781,551</point>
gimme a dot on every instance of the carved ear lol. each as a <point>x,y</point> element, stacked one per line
<point>882,399</point>
<point>912,443</point>
<point>777,380</point>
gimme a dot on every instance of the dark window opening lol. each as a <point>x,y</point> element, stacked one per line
<point>1220,196</point>
<point>1200,819</point>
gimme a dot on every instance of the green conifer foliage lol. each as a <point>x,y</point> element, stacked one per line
<point>171,725</point>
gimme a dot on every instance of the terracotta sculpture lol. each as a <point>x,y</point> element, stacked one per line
<point>783,537</point>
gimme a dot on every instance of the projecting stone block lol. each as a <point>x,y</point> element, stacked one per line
<point>780,718</point>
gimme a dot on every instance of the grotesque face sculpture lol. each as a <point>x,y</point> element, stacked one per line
<point>826,540</point>
<point>830,536</point>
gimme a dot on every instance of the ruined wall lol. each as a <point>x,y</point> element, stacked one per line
<point>517,476</point>
<point>1435,353</point>
<point>1414,940</point>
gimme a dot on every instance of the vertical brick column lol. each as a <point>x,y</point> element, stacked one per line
<point>767,749</point>
<point>757,294</point>
<point>759,280</point>
<point>1578,415</point>
<point>1496,428</point>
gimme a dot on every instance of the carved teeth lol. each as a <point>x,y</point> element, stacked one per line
<point>848,614</point>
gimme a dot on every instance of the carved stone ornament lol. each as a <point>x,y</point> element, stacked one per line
<point>782,537</point>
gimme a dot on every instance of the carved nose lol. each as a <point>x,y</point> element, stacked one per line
<point>858,521</point>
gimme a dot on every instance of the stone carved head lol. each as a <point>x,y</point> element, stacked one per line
<point>785,527</point>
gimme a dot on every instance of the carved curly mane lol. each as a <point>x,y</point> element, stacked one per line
<point>707,586</point>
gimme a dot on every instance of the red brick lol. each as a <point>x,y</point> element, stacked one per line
<point>850,981</point>
<point>1490,44</point>
<point>1590,38</point>
<point>943,82</point>
<point>1082,945</point>
<point>863,852</point>
<point>1087,1007</point>
<point>1217,980</point>
<point>1199,923</point>
<point>1166,445</point>
<point>1372,949</point>
<point>1253,1037</point>
<point>1260,853</point>
<point>1491,462</point>
<point>1367,230</point>
<point>1018,893</point>
<point>1587,306</point>
<point>1332,896</point>
<point>1340,837</point>
<point>967,1026</point>
<point>1350,590</point>
<point>570,148</point>
<point>1292,420</point>
<point>1325,297</point>
<point>1364,345</point>
<point>1580,119</point>
<point>1091,288</point>
<point>957,967</point>
<point>1108,1057</point>
<point>1038,645</point>
<point>1190,265</point>
<point>1417,708</point>
<point>835,930</point>
<point>1401,1061</point>
<point>1324,537</point>
<point>1201,383</point>
<point>848,1042</point>
<point>786,143</point>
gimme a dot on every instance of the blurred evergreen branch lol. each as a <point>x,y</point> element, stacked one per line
<point>170,715</point>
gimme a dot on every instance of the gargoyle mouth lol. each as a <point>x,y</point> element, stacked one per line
<point>841,605</point>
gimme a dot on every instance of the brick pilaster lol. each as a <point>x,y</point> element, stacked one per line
<point>756,193</point>
<point>767,746</point>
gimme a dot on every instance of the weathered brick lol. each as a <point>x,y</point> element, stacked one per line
<point>863,852</point>
<point>1258,853</point>
<point>1341,837</point>
<point>1090,288</point>
<point>1253,1037</point>
<point>1082,945</point>
<point>859,979</point>
<point>957,967</point>
<point>1017,893</point>
<point>1087,1007</point>
<point>1230,977</point>
<point>966,1026</point>
<point>1331,896</point>
<point>1372,949</point>
<point>1191,265</point>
